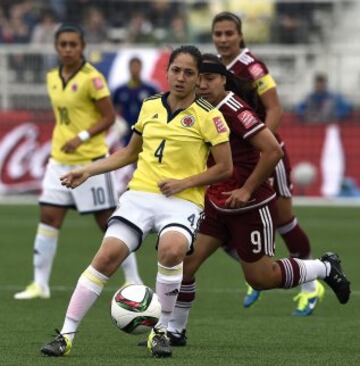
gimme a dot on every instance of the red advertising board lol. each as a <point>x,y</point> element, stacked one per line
<point>25,146</point>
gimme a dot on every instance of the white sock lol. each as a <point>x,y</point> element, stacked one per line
<point>45,246</point>
<point>88,289</point>
<point>308,286</point>
<point>130,269</point>
<point>181,313</point>
<point>314,268</point>
<point>179,320</point>
<point>168,282</point>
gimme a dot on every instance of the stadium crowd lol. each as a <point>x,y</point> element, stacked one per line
<point>26,21</point>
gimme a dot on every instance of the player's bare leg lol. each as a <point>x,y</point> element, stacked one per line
<point>129,265</point>
<point>89,287</point>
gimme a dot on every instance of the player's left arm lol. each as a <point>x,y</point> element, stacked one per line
<point>270,154</point>
<point>222,169</point>
<point>274,110</point>
<point>267,92</point>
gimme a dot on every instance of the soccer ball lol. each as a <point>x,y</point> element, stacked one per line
<point>135,309</point>
<point>304,174</point>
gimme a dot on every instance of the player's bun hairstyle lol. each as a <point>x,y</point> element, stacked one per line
<point>188,49</point>
<point>241,87</point>
<point>68,27</point>
<point>227,15</point>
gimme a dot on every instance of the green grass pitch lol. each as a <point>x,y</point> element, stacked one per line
<point>220,331</point>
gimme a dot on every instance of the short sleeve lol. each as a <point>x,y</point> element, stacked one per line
<point>139,125</point>
<point>214,128</point>
<point>247,124</point>
<point>98,87</point>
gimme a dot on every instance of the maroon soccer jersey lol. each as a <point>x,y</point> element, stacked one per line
<point>247,66</point>
<point>243,124</point>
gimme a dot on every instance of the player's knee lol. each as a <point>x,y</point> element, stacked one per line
<point>107,261</point>
<point>171,255</point>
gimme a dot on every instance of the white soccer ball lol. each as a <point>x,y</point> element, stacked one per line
<point>135,309</point>
<point>304,173</point>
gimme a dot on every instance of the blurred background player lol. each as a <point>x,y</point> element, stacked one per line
<point>322,105</point>
<point>240,212</point>
<point>229,42</point>
<point>165,195</point>
<point>84,112</point>
<point>128,97</point>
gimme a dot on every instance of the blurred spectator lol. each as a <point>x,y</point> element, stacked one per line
<point>43,32</point>
<point>322,105</point>
<point>95,26</point>
<point>140,30</point>
<point>178,32</point>
<point>128,97</point>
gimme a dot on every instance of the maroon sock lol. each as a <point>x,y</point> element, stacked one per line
<point>295,239</point>
<point>292,272</point>
<point>186,295</point>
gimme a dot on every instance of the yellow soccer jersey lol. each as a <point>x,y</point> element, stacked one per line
<point>74,109</point>
<point>176,146</point>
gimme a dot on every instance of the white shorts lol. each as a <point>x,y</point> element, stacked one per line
<point>140,213</point>
<point>96,194</point>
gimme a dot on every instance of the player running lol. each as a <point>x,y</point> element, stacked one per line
<point>229,42</point>
<point>171,143</point>
<point>240,212</point>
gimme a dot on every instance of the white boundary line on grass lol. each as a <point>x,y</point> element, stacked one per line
<point>113,289</point>
<point>298,201</point>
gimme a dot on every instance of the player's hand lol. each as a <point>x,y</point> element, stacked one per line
<point>71,145</point>
<point>169,187</point>
<point>237,198</point>
<point>74,178</point>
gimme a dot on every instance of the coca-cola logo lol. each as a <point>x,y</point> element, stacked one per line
<point>25,148</point>
<point>23,158</point>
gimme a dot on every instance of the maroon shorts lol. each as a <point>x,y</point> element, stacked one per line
<point>281,179</point>
<point>249,234</point>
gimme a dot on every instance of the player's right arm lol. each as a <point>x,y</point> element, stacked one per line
<point>118,159</point>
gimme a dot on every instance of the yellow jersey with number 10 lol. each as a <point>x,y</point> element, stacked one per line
<point>75,111</point>
<point>176,146</point>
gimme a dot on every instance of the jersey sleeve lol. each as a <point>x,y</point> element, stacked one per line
<point>264,84</point>
<point>139,125</point>
<point>262,80</point>
<point>214,128</point>
<point>98,87</point>
<point>247,124</point>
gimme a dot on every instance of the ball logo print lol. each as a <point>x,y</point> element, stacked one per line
<point>135,309</point>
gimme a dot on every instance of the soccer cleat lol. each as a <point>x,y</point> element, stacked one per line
<point>33,291</point>
<point>59,346</point>
<point>251,296</point>
<point>158,343</point>
<point>307,301</point>
<point>336,278</point>
<point>177,339</point>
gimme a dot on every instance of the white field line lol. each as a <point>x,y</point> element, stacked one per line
<point>212,290</point>
<point>298,201</point>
